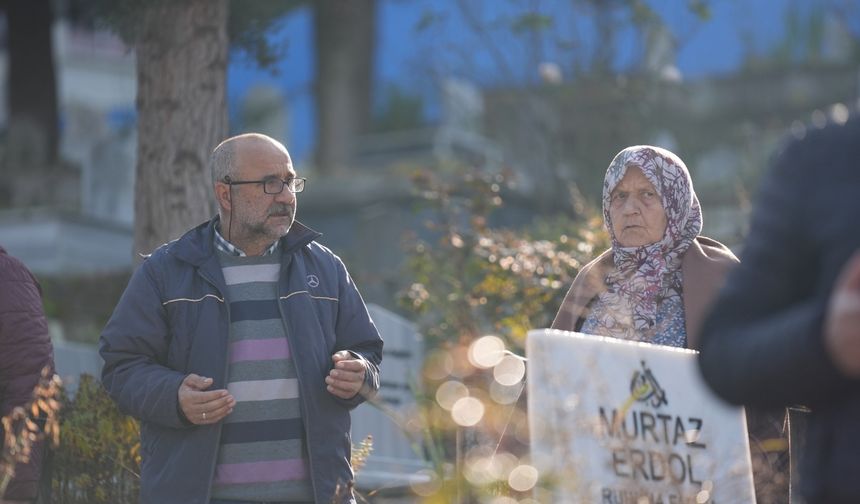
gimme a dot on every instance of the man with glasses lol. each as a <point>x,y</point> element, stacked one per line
<point>242,347</point>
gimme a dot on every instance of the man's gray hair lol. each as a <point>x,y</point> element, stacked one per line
<point>222,161</point>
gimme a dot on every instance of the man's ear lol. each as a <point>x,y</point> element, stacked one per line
<point>223,195</point>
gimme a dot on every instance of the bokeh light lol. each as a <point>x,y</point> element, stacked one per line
<point>438,365</point>
<point>449,393</point>
<point>503,394</point>
<point>483,467</point>
<point>462,367</point>
<point>478,470</point>
<point>503,464</point>
<point>425,483</point>
<point>523,478</point>
<point>467,411</point>
<point>486,352</point>
<point>509,371</point>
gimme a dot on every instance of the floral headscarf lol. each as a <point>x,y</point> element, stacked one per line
<point>646,277</point>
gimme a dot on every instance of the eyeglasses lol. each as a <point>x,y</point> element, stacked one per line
<point>273,185</point>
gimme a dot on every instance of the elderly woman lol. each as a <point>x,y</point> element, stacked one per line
<point>660,275</point>
<point>659,278</point>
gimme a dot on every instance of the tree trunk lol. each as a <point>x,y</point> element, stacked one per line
<point>32,96</point>
<point>345,45</point>
<point>182,55</point>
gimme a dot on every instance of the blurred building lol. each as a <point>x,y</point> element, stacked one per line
<point>77,217</point>
<point>724,128</point>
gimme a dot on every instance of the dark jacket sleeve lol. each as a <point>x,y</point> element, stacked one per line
<point>134,346</point>
<point>25,349</point>
<point>356,333</point>
<point>762,343</point>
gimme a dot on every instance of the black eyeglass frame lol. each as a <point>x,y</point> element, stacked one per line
<point>294,185</point>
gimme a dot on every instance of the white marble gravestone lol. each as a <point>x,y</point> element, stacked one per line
<point>619,422</point>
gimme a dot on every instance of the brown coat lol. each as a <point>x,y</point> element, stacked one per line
<point>704,268</point>
<point>25,348</point>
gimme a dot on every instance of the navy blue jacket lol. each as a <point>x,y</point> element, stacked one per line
<point>763,342</point>
<point>172,320</point>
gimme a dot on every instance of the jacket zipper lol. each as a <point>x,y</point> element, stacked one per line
<point>302,394</point>
<point>226,370</point>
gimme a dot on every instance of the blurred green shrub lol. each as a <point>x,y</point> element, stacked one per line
<point>475,279</point>
<point>98,459</point>
<point>477,290</point>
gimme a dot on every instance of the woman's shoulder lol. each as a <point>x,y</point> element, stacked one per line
<point>597,267</point>
<point>587,284</point>
<point>714,251</point>
<point>707,260</point>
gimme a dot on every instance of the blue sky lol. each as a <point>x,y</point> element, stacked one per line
<point>414,59</point>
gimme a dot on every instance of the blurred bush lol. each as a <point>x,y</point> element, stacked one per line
<point>476,291</point>
<point>472,279</point>
<point>98,459</point>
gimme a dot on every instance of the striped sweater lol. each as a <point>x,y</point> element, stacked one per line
<point>262,455</point>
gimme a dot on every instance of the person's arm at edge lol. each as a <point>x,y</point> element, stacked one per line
<point>133,345</point>
<point>357,334</point>
<point>25,342</point>
<point>762,343</point>
<point>26,346</point>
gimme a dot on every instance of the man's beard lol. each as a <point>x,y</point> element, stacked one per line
<point>283,211</point>
<point>280,211</point>
<point>265,230</point>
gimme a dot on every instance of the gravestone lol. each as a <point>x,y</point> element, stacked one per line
<point>615,422</point>
<point>393,462</point>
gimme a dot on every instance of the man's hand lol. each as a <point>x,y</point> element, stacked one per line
<point>347,377</point>
<point>842,323</point>
<point>201,406</point>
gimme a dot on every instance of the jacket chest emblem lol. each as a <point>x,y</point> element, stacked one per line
<point>313,281</point>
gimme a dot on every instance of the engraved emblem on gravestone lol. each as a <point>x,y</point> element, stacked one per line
<point>644,387</point>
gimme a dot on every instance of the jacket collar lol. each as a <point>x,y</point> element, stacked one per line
<point>197,246</point>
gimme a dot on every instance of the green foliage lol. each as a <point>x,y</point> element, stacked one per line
<point>641,14</point>
<point>248,26</point>
<point>701,8</point>
<point>472,279</point>
<point>804,34</point>
<point>468,278</point>
<point>98,460</point>
<point>119,16</point>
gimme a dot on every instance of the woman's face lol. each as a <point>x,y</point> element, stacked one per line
<point>636,210</point>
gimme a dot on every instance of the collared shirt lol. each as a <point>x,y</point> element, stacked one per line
<point>224,246</point>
